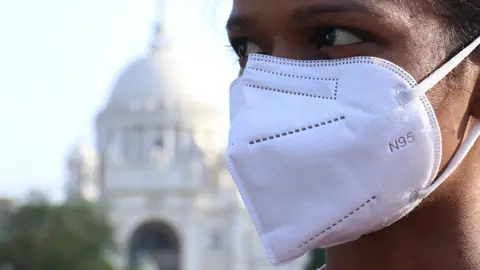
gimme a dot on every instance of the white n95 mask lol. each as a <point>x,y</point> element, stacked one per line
<point>326,151</point>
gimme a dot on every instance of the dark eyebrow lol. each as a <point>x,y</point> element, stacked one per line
<point>306,12</point>
<point>237,21</point>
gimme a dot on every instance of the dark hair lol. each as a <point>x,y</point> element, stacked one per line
<point>462,17</point>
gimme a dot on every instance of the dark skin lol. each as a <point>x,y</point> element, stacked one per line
<point>443,233</point>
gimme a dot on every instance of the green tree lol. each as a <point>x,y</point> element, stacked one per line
<point>317,258</point>
<point>42,236</point>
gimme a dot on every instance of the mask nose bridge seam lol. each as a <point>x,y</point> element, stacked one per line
<point>338,62</point>
<point>328,63</point>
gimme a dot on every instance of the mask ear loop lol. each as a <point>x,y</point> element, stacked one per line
<point>429,82</point>
<point>422,88</point>
<point>456,160</point>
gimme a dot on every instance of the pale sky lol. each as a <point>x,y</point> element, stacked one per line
<point>59,60</point>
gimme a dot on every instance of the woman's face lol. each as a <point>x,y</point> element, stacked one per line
<point>407,33</point>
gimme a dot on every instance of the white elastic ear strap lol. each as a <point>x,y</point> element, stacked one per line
<point>429,82</point>
<point>456,160</point>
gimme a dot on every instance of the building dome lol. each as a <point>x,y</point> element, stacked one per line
<point>140,86</point>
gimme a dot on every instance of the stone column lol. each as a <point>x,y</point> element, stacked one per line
<point>240,249</point>
<point>191,249</point>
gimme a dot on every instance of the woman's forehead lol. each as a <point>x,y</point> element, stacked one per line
<point>398,15</point>
<point>299,7</point>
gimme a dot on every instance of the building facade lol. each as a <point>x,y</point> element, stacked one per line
<point>169,195</point>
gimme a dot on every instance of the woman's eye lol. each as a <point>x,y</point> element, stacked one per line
<point>243,47</point>
<point>335,37</point>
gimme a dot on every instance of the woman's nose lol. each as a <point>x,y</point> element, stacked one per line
<point>284,49</point>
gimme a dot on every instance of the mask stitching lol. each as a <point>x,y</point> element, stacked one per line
<point>293,76</point>
<point>338,221</point>
<point>367,60</point>
<point>315,63</point>
<point>438,137</point>
<point>403,97</point>
<point>357,60</point>
<point>294,93</point>
<point>362,60</point>
<point>264,56</point>
<point>298,130</point>
<point>334,80</point>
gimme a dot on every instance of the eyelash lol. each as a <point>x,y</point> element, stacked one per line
<point>235,44</point>
<point>318,35</point>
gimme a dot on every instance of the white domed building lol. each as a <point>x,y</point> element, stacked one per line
<point>170,197</point>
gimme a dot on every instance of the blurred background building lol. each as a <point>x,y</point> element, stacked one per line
<point>159,166</point>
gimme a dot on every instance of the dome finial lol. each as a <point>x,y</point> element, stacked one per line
<point>158,27</point>
<point>83,153</point>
